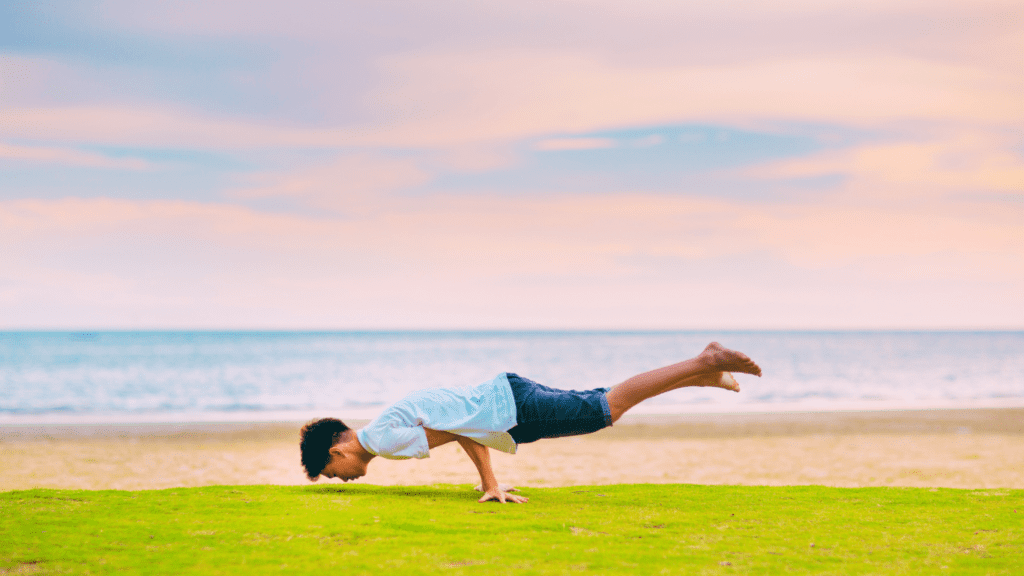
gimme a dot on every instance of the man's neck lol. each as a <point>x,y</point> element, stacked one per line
<point>351,445</point>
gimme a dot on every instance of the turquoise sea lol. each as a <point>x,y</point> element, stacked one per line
<point>218,376</point>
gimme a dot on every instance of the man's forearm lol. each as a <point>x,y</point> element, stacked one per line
<point>477,452</point>
<point>481,457</point>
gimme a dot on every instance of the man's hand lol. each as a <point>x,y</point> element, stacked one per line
<point>499,495</point>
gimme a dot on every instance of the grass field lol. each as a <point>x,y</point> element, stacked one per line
<point>622,529</point>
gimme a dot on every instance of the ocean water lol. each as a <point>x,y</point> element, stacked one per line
<point>209,376</point>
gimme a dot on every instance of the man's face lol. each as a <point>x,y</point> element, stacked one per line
<point>344,466</point>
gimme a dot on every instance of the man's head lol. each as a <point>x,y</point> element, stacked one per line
<point>318,443</point>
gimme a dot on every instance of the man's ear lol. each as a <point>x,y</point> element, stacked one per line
<point>337,451</point>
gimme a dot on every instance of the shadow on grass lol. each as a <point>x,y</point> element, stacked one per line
<point>446,492</point>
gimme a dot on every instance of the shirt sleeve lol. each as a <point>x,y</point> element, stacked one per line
<point>398,442</point>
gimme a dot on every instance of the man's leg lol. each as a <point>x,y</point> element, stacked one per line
<point>710,368</point>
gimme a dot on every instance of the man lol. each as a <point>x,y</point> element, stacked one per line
<point>501,414</point>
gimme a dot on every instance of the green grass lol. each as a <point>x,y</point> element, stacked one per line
<point>624,529</point>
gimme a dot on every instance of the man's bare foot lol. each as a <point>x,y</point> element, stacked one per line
<point>725,380</point>
<point>722,380</point>
<point>718,358</point>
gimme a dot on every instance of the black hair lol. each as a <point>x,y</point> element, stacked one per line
<point>316,439</point>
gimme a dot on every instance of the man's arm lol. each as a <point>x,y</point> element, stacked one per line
<point>480,456</point>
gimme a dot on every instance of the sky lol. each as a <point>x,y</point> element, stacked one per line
<point>565,164</point>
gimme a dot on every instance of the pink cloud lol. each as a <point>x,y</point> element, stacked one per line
<point>69,157</point>
<point>518,94</point>
<point>554,144</point>
<point>509,96</point>
<point>351,183</point>
<point>134,126</point>
<point>621,260</point>
<point>916,224</point>
<point>970,162</point>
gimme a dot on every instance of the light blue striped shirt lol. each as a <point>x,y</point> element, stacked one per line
<point>485,413</point>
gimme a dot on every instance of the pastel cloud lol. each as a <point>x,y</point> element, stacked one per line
<point>151,127</point>
<point>503,97</point>
<point>550,144</point>
<point>511,95</point>
<point>66,156</point>
<point>350,129</point>
<point>737,63</point>
<point>969,162</point>
<point>350,184</point>
<point>461,262</point>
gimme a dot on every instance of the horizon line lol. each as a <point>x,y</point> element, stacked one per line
<point>390,330</point>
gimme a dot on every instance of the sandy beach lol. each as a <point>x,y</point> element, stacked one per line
<point>977,448</point>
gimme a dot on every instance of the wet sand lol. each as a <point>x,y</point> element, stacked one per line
<point>978,448</point>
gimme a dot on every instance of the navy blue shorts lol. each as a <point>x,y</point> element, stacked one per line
<point>543,412</point>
